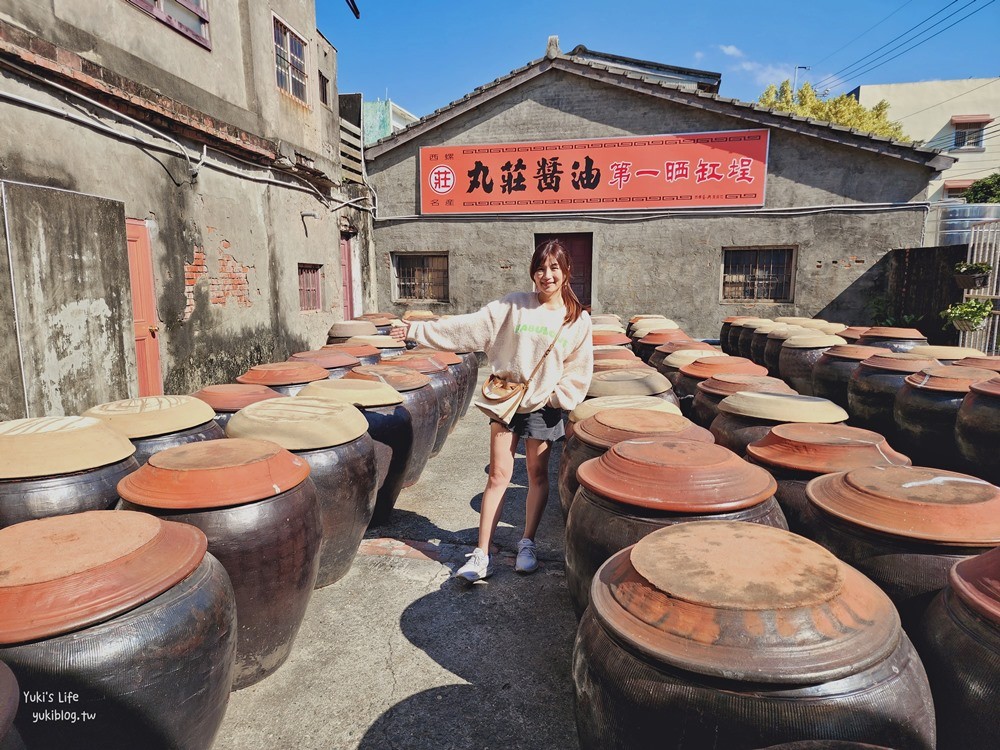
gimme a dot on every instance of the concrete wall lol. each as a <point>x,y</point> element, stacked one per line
<point>665,264</point>
<point>926,109</point>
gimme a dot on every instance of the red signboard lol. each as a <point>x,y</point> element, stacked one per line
<point>691,170</point>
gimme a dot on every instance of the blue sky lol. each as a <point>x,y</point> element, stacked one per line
<point>425,53</point>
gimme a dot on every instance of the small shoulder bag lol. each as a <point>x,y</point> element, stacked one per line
<point>500,398</point>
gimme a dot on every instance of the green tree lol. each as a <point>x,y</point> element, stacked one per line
<point>986,190</point>
<point>842,110</point>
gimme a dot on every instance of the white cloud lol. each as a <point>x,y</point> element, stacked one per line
<point>698,56</point>
<point>731,49</point>
<point>766,73</point>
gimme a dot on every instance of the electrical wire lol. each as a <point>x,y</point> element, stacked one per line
<point>863,33</point>
<point>942,141</point>
<point>945,101</point>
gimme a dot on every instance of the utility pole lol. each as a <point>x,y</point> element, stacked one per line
<point>795,77</point>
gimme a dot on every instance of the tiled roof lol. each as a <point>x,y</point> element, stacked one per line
<point>655,86</point>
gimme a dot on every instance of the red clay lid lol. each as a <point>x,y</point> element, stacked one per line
<point>355,350</point>
<point>378,318</point>
<point>898,362</point>
<point>976,581</point>
<point>735,318</point>
<point>644,381</point>
<point>982,363</point>
<point>327,358</point>
<point>726,384</point>
<point>445,358</point>
<point>853,333</point>
<point>677,475</point>
<point>987,387</point>
<point>708,367</point>
<point>283,373</point>
<point>604,365</point>
<point>660,337</point>
<point>609,338</point>
<point>234,396</point>
<point>824,448</point>
<point>401,378</point>
<point>617,353</point>
<point>744,602</point>
<point>611,426</point>
<point>63,573</point>
<point>853,351</point>
<point>883,332</point>
<point>948,378</point>
<point>419,362</point>
<point>675,346</point>
<point>214,474</point>
<point>932,505</point>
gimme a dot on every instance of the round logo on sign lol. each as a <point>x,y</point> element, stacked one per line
<point>442,179</point>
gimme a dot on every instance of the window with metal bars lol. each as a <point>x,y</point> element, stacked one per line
<point>423,277</point>
<point>290,61</point>
<point>188,17</point>
<point>757,274</point>
<point>324,89</point>
<point>968,135</point>
<point>310,287</point>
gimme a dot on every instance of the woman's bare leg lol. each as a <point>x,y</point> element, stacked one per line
<point>537,454</point>
<point>503,443</point>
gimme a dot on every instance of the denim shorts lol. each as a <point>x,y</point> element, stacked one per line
<point>543,424</point>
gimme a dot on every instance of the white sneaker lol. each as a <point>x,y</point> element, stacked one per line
<point>527,559</point>
<point>477,568</point>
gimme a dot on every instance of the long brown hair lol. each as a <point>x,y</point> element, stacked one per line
<point>555,250</point>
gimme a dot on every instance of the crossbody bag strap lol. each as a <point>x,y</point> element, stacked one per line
<point>558,333</point>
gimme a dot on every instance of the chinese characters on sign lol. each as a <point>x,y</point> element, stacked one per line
<point>666,171</point>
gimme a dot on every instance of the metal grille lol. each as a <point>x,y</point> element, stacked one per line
<point>422,277</point>
<point>289,61</point>
<point>309,287</point>
<point>757,274</point>
<point>968,135</point>
<point>984,247</point>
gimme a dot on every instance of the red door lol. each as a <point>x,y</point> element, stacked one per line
<point>145,323</point>
<point>347,277</point>
<point>579,246</point>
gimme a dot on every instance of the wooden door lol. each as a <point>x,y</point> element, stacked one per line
<point>145,322</point>
<point>580,248</point>
<point>347,278</point>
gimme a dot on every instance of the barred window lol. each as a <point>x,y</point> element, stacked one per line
<point>290,61</point>
<point>310,287</point>
<point>188,17</point>
<point>757,274</point>
<point>423,277</point>
<point>968,135</point>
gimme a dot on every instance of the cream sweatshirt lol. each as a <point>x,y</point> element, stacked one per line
<point>515,332</point>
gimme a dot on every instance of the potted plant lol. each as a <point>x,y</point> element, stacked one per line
<point>968,315</point>
<point>972,275</point>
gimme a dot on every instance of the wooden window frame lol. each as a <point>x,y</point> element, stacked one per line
<point>283,56</point>
<point>324,89</point>
<point>756,284</point>
<point>155,9</point>
<point>401,284</point>
<point>310,295</point>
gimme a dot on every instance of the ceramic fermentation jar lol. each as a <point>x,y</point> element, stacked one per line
<point>345,329</point>
<point>977,430</point>
<point>832,372</point>
<point>337,364</point>
<point>799,354</point>
<point>228,398</point>
<point>872,389</point>
<point>746,417</point>
<point>895,339</point>
<point>366,353</point>
<point>287,378</point>
<point>710,392</point>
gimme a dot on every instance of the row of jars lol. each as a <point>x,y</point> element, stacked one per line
<point>216,546</point>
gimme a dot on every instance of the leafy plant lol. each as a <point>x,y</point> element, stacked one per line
<point>882,314</point>
<point>986,190</point>
<point>843,109</point>
<point>975,311</point>
<point>964,267</point>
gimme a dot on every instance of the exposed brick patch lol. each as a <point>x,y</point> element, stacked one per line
<point>232,281</point>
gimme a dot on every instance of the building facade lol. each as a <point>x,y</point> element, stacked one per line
<point>175,204</point>
<point>836,201</point>
<point>959,117</point>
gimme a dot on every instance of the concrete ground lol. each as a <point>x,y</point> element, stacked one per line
<point>398,656</point>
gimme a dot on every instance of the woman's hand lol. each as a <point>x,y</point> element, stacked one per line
<point>400,331</point>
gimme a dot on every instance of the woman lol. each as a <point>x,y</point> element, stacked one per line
<point>515,333</point>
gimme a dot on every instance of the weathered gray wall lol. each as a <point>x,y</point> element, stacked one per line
<point>666,264</point>
<point>67,256</point>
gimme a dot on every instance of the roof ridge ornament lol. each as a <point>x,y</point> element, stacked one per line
<point>552,50</point>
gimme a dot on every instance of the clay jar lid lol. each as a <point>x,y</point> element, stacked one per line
<point>606,365</point>
<point>824,448</point>
<point>234,396</point>
<point>791,319</point>
<point>641,331</point>
<point>983,363</point>
<point>214,474</point>
<point>946,352</point>
<point>931,505</point>
<point>153,415</point>
<point>745,602</point>
<point>64,573</point>
<point>685,344</point>
<point>299,424</point>
<point>283,373</point>
<point>616,352</point>
<point>832,329</point>
<point>704,368</point>
<point>661,337</point>
<point>751,322</point>
<point>898,362</point>
<point>403,379</point>
<point>328,359</point>
<point>611,426</point>
<point>644,382</point>
<point>592,406</point>
<point>642,316</point>
<point>609,338</point>
<point>676,475</point>
<point>948,378</point>
<point>882,332</point>
<point>609,318</point>
<point>379,342</point>
<point>420,363</point>
<point>363,393</point>
<point>445,358</point>
<point>975,581</point>
<point>46,446</point>
<point>419,315</point>
<point>812,341</point>
<point>853,352</point>
<point>606,327</point>
<point>348,328</point>
<point>987,387</point>
<point>783,407</point>
<point>686,356</point>
<point>853,333</point>
<point>374,316</point>
<point>726,384</point>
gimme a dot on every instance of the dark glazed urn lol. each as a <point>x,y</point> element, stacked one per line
<point>977,430</point>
